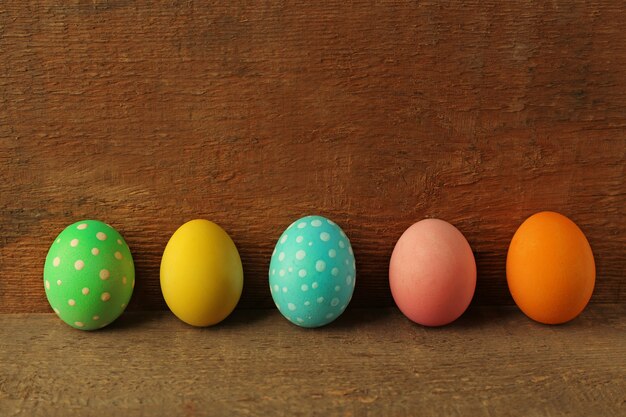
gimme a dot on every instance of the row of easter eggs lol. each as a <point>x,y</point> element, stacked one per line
<point>89,273</point>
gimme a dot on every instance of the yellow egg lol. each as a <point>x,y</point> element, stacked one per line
<point>201,273</point>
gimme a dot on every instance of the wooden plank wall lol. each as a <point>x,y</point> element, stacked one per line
<point>251,114</point>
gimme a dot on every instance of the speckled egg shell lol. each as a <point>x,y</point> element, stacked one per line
<point>312,272</point>
<point>89,275</point>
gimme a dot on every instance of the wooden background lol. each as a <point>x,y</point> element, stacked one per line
<point>252,114</point>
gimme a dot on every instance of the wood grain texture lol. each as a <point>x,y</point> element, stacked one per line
<point>375,114</point>
<point>494,361</point>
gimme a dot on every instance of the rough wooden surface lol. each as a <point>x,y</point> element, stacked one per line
<point>493,361</point>
<point>251,114</point>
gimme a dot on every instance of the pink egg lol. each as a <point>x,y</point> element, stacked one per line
<point>432,273</point>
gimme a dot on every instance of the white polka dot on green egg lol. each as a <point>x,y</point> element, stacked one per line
<point>89,275</point>
<point>312,272</point>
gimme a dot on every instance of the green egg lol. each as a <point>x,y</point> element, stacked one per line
<point>89,275</point>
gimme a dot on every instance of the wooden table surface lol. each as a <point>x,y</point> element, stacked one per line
<point>252,114</point>
<point>493,361</point>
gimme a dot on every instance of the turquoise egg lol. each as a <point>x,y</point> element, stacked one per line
<point>312,272</point>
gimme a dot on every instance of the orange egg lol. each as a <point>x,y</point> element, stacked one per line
<point>550,268</point>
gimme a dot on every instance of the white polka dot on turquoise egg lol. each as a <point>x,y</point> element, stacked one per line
<point>312,272</point>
